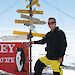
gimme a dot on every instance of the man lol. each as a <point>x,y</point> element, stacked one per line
<point>56,46</point>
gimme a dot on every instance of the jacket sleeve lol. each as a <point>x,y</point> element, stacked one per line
<point>62,43</point>
<point>42,41</point>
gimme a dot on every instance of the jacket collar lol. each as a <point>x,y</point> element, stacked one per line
<point>56,28</point>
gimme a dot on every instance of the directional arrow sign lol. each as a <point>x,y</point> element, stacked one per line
<point>32,26</point>
<point>26,0</point>
<point>22,11</point>
<point>33,22</point>
<point>39,22</point>
<point>19,37</point>
<point>29,17</point>
<point>26,33</point>
<point>34,2</point>
<point>27,23</point>
<point>21,21</point>
<point>28,11</point>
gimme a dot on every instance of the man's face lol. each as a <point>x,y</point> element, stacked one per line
<point>51,24</point>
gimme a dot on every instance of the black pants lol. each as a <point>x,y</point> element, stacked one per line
<point>39,66</point>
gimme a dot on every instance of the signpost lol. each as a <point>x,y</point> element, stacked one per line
<point>18,37</point>
<point>28,11</point>
<point>29,17</point>
<point>30,23</point>
<point>33,22</point>
<point>22,36</point>
<point>26,33</point>
<point>34,2</point>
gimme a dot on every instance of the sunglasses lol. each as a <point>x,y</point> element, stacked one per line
<point>51,22</point>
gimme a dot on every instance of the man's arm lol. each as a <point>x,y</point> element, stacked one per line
<point>42,41</point>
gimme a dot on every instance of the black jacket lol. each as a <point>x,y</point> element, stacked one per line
<point>56,44</point>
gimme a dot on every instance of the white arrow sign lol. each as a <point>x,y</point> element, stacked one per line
<point>32,26</point>
<point>33,29</point>
<point>29,17</point>
<point>18,37</point>
<point>28,24</point>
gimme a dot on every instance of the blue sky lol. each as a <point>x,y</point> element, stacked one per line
<point>8,12</point>
<point>62,10</point>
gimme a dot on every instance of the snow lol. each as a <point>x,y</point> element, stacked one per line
<point>38,51</point>
<point>68,72</point>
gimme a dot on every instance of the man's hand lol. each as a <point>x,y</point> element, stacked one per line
<point>32,42</point>
<point>60,59</point>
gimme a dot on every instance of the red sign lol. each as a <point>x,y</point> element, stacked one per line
<point>14,57</point>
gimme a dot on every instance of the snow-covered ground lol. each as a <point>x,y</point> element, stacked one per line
<point>39,51</point>
<point>68,72</point>
<point>65,72</point>
<point>69,60</point>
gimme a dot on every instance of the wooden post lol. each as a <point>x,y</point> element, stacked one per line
<point>30,40</point>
